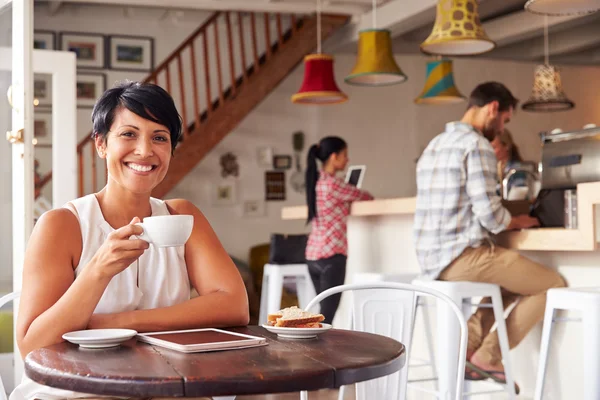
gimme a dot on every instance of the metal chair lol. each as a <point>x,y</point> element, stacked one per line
<point>387,308</point>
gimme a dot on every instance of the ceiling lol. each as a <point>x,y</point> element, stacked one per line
<point>518,33</point>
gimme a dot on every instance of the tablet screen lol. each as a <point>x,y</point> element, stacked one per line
<point>355,176</point>
<point>198,337</point>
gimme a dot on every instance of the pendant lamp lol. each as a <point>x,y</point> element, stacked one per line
<point>547,94</point>
<point>439,85</point>
<point>457,30</point>
<point>375,65</point>
<point>318,86</point>
<point>562,7</point>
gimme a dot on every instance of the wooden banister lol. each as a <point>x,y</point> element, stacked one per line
<point>181,65</point>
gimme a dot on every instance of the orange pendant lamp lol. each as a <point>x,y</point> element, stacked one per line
<point>457,30</point>
<point>319,86</point>
<point>375,64</point>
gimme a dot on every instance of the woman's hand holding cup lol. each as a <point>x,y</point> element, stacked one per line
<point>119,251</point>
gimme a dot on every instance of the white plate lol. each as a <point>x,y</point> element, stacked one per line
<point>297,333</point>
<point>99,338</point>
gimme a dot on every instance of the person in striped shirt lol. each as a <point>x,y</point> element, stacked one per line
<point>329,200</point>
<point>459,210</point>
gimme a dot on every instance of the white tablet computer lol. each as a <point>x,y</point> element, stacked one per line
<point>355,175</point>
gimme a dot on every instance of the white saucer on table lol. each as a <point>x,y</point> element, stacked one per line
<point>297,333</point>
<point>99,338</point>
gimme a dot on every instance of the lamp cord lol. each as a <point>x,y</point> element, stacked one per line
<point>374,14</point>
<point>319,26</point>
<point>546,47</point>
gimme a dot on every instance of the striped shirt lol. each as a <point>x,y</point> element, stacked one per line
<point>457,203</point>
<point>334,198</point>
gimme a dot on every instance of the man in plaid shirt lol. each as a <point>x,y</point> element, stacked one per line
<point>457,212</point>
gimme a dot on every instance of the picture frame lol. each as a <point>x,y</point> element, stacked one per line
<point>264,156</point>
<point>131,53</point>
<point>274,186</point>
<point>282,162</point>
<point>90,48</point>
<point>224,194</point>
<point>44,40</point>
<point>90,86</point>
<point>253,208</point>
<point>42,90</point>
<point>42,127</point>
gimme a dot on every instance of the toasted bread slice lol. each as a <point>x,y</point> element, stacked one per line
<point>295,317</point>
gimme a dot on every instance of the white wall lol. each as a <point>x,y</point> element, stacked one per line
<point>384,128</point>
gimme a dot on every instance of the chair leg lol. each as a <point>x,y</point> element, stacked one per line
<point>264,299</point>
<point>591,361</point>
<point>544,352</point>
<point>275,290</point>
<point>341,392</point>
<point>304,395</point>
<point>429,339</point>
<point>504,347</point>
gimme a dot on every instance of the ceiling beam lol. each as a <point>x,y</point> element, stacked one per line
<point>519,26</point>
<point>587,57</point>
<point>571,41</point>
<point>236,5</point>
<point>399,16</point>
<point>564,42</point>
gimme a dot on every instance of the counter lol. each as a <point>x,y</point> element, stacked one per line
<point>380,240</point>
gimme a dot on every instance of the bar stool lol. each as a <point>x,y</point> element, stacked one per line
<point>587,301</point>
<point>448,331</point>
<point>274,276</point>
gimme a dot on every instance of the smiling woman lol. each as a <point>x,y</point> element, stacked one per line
<point>85,265</point>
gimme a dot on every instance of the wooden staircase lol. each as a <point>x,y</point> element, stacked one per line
<point>216,83</point>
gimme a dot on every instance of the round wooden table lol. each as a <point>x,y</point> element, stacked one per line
<point>135,369</point>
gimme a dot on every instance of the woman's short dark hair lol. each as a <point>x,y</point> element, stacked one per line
<point>327,146</point>
<point>147,100</point>
<point>487,92</point>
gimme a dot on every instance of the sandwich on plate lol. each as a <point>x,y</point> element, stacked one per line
<point>294,317</point>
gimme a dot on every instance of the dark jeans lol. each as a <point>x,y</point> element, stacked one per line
<point>327,273</point>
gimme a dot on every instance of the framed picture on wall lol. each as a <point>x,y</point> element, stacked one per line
<point>224,194</point>
<point>90,86</point>
<point>274,186</point>
<point>42,127</point>
<point>131,53</point>
<point>42,90</point>
<point>44,40</point>
<point>90,48</point>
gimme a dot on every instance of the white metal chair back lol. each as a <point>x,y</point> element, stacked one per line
<point>386,308</point>
<point>3,300</point>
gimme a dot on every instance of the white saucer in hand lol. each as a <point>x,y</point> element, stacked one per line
<point>297,333</point>
<point>99,338</point>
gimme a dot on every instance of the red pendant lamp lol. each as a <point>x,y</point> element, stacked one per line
<point>319,86</point>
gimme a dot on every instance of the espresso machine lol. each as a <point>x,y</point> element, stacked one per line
<point>568,158</point>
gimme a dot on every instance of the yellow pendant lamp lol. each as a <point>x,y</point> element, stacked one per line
<point>562,7</point>
<point>375,65</point>
<point>439,85</point>
<point>457,30</point>
<point>319,86</point>
<point>547,94</point>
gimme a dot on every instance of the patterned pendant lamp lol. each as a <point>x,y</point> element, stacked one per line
<point>318,86</point>
<point>457,30</point>
<point>375,65</point>
<point>562,7</point>
<point>547,94</point>
<point>439,85</point>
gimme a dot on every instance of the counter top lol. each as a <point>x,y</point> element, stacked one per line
<point>542,239</point>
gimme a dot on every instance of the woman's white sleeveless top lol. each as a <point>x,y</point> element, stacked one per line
<point>158,278</point>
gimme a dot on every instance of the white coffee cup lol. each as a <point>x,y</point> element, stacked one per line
<point>167,230</point>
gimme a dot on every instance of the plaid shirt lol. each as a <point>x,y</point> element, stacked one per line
<point>328,234</point>
<point>457,203</point>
